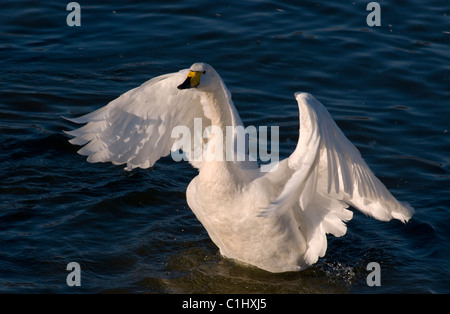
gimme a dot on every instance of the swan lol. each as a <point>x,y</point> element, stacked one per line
<point>275,220</point>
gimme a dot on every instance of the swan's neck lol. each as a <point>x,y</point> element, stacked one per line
<point>216,167</point>
<point>219,108</point>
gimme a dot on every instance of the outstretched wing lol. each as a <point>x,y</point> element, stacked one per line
<point>329,174</point>
<point>136,128</point>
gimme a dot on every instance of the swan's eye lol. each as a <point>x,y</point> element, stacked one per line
<point>204,72</point>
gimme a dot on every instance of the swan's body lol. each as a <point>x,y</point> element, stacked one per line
<point>276,220</point>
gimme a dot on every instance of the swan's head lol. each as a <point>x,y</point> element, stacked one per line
<point>201,76</point>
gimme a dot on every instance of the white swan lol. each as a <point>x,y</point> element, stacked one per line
<point>275,220</point>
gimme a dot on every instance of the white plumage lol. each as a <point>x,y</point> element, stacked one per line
<point>275,220</point>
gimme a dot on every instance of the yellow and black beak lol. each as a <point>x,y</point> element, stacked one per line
<point>192,80</point>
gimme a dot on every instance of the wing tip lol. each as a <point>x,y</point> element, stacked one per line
<point>76,120</point>
<point>302,95</point>
<point>404,214</point>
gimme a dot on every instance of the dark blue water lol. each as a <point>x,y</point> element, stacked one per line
<point>387,87</point>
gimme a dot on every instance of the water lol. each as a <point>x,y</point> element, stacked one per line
<point>387,87</point>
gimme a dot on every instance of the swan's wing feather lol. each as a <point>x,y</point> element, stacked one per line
<point>329,174</point>
<point>342,172</point>
<point>136,128</point>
